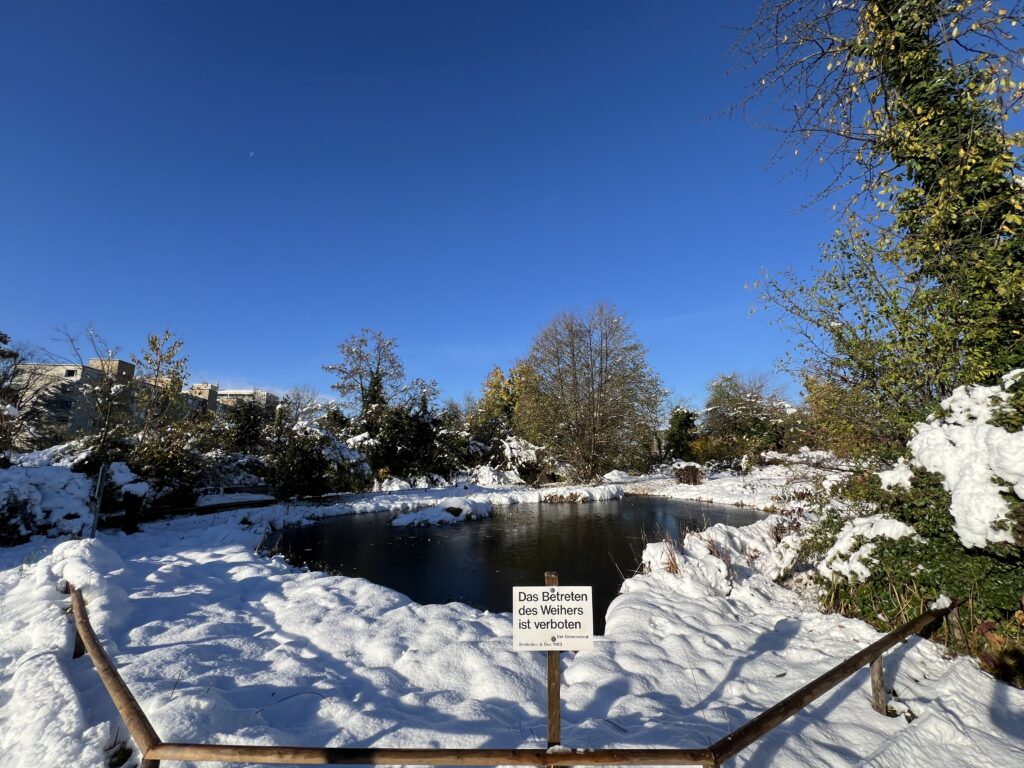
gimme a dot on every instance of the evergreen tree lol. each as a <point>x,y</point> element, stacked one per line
<point>681,432</point>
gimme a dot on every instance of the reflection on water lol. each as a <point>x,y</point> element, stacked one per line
<point>479,563</point>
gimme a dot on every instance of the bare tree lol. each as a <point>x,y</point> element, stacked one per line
<point>370,372</point>
<point>23,388</point>
<point>587,393</point>
<point>108,392</point>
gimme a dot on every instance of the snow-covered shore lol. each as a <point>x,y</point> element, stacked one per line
<point>222,644</point>
<point>785,484</point>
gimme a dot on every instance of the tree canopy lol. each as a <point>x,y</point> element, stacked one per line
<point>587,392</point>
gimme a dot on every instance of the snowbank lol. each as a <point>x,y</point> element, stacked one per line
<point>222,645</point>
<point>617,476</point>
<point>774,487</point>
<point>979,462</point>
<point>455,510</point>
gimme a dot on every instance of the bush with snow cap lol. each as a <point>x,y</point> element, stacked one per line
<point>981,463</point>
<point>42,500</point>
<point>948,520</point>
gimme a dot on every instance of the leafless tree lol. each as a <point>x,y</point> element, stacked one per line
<point>370,371</point>
<point>587,393</point>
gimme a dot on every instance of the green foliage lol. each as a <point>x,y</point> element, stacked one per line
<point>909,573</point>
<point>494,413</point>
<point>852,421</point>
<point>298,467</point>
<point>160,375</point>
<point>681,432</point>
<point>743,417</point>
<point>171,462</point>
<point>410,442</point>
<point>246,423</point>
<point>1009,414</point>
<point>923,287</point>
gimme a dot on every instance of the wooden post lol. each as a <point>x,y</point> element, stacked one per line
<point>954,626</point>
<point>554,682</point>
<point>879,698</point>
<point>97,500</point>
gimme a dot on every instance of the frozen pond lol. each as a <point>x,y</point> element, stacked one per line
<point>478,563</point>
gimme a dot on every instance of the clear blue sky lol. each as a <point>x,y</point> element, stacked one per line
<point>266,178</point>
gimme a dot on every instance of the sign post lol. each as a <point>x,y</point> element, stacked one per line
<point>554,681</point>
<point>553,619</point>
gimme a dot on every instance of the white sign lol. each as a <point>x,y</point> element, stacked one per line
<point>552,618</point>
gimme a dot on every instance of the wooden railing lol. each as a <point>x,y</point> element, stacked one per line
<point>153,750</point>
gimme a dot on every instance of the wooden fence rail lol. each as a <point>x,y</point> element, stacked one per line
<point>153,750</point>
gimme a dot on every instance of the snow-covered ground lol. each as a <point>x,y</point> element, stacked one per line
<point>787,483</point>
<point>222,644</point>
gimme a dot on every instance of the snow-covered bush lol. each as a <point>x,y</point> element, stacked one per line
<point>42,500</point>
<point>307,456</point>
<point>949,520</point>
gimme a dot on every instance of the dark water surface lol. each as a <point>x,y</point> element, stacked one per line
<point>479,562</point>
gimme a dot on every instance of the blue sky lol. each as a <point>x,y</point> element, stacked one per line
<point>267,178</point>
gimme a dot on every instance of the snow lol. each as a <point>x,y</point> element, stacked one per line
<point>221,644</point>
<point>454,510</point>
<point>140,489</point>
<point>47,499</point>
<point>63,455</point>
<point>391,484</point>
<point>210,499</point>
<point>851,553</point>
<point>980,463</point>
<point>897,477</point>
<point>617,476</point>
<point>489,477</point>
<point>941,602</point>
<point>772,487</point>
<point>118,474</point>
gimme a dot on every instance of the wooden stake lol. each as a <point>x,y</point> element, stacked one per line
<point>879,699</point>
<point>554,682</point>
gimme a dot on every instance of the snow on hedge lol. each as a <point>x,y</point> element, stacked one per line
<point>980,462</point>
<point>851,553</point>
<point>897,477</point>
<point>43,499</point>
<point>489,477</point>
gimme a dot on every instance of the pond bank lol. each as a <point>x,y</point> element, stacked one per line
<point>221,644</point>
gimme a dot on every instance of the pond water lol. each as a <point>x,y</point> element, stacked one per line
<point>479,562</point>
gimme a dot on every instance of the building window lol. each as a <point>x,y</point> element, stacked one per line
<point>69,373</point>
